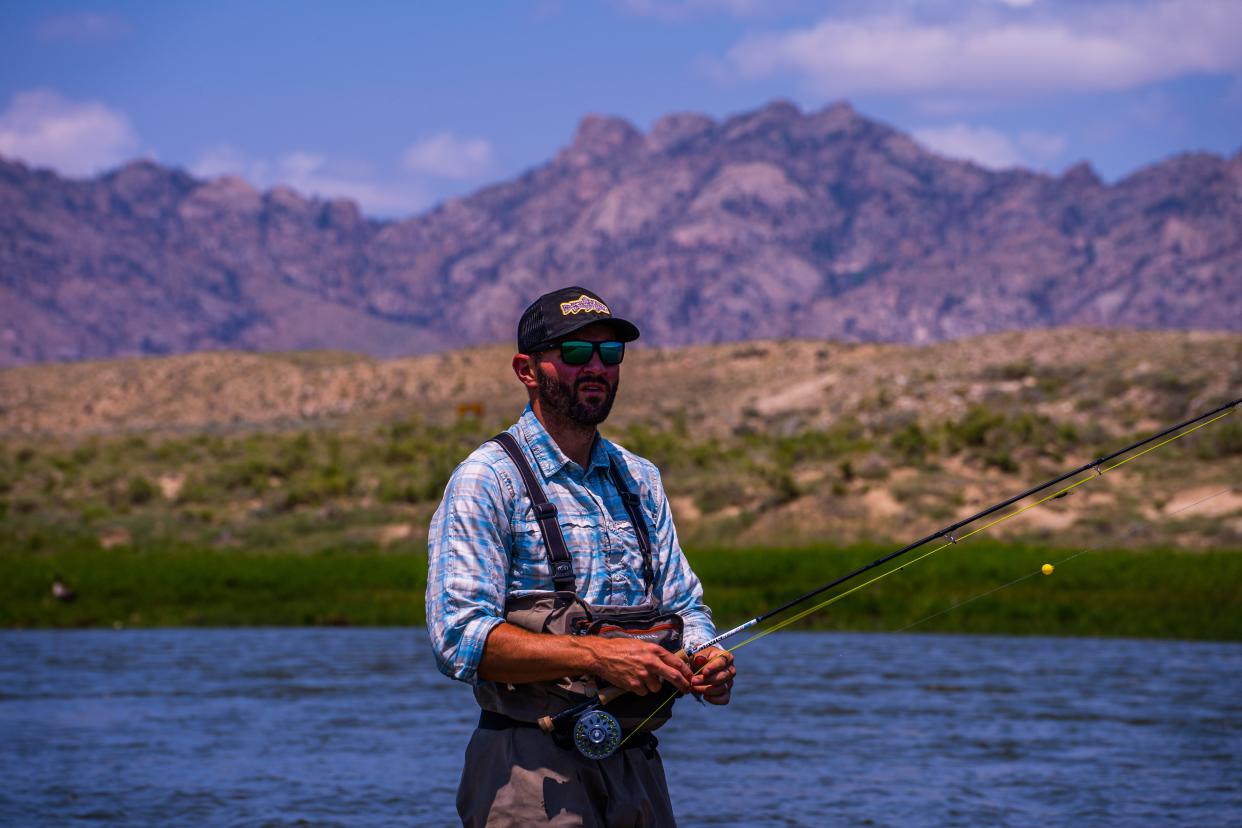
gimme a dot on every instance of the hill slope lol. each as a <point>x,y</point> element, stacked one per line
<point>760,443</point>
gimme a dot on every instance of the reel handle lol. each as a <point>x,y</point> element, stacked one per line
<point>610,693</point>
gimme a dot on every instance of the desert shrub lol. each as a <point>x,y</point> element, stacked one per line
<point>86,453</point>
<point>845,437</point>
<point>173,451</point>
<point>994,436</point>
<point>1222,439</point>
<point>973,429</point>
<point>94,511</point>
<point>719,494</point>
<point>781,483</point>
<point>912,444</point>
<point>1009,371</point>
<point>196,489</point>
<point>398,490</point>
<point>249,474</point>
<point>139,490</point>
<point>318,485</point>
<point>872,467</point>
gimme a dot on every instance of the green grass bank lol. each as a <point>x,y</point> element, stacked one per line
<point>1154,593</point>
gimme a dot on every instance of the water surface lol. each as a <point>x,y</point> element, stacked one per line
<point>356,727</point>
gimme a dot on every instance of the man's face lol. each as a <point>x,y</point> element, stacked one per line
<point>583,394</point>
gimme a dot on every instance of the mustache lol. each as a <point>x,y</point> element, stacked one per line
<point>592,378</point>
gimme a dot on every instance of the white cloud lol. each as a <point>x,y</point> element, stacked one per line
<point>1082,48</point>
<point>445,155</point>
<point>983,145</point>
<point>77,138</point>
<point>989,147</point>
<point>224,160</point>
<point>317,175</point>
<point>82,27</point>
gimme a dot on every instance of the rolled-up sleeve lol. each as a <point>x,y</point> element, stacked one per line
<point>677,587</point>
<point>467,567</point>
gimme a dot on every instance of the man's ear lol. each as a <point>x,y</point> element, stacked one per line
<point>524,367</point>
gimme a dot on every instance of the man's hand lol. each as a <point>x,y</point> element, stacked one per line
<point>714,674</point>
<point>636,666</point>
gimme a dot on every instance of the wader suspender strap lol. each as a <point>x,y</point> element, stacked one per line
<point>636,517</point>
<point>559,559</point>
<point>545,512</point>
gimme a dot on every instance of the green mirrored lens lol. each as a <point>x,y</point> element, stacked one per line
<point>610,353</point>
<point>576,353</point>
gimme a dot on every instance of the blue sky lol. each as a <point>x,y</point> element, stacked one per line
<point>403,104</point>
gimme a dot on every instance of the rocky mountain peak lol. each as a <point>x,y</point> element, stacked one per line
<point>779,115</point>
<point>836,117</point>
<point>600,138</point>
<point>228,193</point>
<point>1081,176</point>
<point>677,129</point>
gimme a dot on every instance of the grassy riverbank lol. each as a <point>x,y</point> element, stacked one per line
<point>1160,594</point>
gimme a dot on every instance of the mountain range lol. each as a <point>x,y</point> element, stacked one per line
<point>771,223</point>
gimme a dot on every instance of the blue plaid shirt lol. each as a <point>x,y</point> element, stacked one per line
<point>485,544</point>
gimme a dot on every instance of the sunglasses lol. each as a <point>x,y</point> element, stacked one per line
<point>579,351</point>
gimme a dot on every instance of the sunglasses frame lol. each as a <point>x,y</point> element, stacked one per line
<point>596,348</point>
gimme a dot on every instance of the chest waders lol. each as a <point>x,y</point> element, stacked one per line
<point>561,612</point>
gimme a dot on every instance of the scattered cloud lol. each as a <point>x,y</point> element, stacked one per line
<point>76,138</point>
<point>83,27</point>
<point>992,148</point>
<point>1082,48</point>
<point>445,155</point>
<point>319,175</point>
<point>985,146</point>
<point>225,160</point>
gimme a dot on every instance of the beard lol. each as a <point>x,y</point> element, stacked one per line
<point>566,399</point>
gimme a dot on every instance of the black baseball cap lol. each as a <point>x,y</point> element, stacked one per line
<point>555,315</point>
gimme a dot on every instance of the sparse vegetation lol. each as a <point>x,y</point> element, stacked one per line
<point>856,444</point>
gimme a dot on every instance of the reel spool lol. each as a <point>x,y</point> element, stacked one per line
<point>597,735</point>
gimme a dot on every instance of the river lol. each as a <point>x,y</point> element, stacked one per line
<point>355,727</point>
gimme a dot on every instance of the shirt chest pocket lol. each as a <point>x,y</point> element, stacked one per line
<point>584,536</point>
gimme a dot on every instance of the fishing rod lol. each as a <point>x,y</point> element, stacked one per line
<point>597,734</point>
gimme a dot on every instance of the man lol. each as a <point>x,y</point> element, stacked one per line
<point>489,557</point>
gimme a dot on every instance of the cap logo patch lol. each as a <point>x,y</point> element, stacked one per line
<point>584,304</point>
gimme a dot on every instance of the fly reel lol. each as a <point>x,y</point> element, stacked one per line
<point>597,734</point>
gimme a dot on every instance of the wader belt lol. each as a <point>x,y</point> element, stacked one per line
<point>490,720</point>
<point>559,559</point>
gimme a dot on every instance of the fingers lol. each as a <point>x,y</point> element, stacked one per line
<point>714,675</point>
<point>640,667</point>
<point>714,666</point>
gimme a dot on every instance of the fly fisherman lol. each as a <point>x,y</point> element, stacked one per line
<point>539,615</point>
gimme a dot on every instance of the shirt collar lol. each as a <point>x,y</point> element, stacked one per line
<point>548,454</point>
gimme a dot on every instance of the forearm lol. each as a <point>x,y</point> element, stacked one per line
<point>516,656</point>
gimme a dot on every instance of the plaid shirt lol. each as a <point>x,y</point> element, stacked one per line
<point>485,544</point>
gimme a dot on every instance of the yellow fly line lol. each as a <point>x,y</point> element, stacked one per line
<point>1099,472</point>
